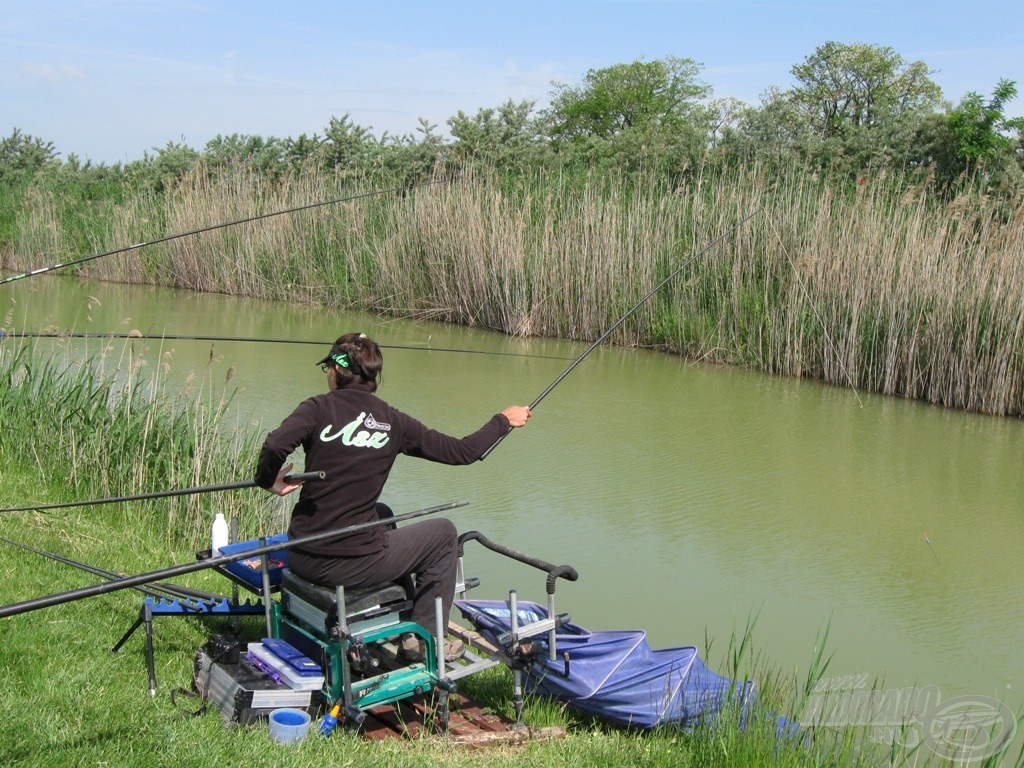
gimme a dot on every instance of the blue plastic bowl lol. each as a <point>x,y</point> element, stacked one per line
<point>288,726</point>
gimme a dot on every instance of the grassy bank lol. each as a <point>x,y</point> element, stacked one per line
<point>101,423</point>
<point>862,284</point>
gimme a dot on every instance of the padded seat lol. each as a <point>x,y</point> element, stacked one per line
<point>360,602</point>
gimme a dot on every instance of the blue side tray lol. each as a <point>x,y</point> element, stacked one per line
<point>248,571</point>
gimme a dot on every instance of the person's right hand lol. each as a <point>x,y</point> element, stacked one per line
<point>517,415</point>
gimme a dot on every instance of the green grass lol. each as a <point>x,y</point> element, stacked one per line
<point>66,700</point>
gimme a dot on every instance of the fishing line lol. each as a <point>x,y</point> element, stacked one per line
<point>297,477</point>
<point>255,340</point>
<point>211,228</point>
<point>126,582</point>
<point>621,320</point>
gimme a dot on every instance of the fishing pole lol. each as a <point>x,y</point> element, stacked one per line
<point>211,228</point>
<point>247,339</point>
<point>156,589</point>
<point>126,582</point>
<point>620,321</point>
<point>297,477</point>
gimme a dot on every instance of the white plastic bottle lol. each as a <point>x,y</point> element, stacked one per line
<point>218,534</point>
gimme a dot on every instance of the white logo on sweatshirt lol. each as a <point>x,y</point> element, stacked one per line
<point>350,434</point>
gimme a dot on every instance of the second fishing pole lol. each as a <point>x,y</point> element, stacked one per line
<point>210,228</point>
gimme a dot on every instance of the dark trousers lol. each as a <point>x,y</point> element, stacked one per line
<point>428,549</point>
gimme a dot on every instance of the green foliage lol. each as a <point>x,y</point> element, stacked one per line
<point>268,157</point>
<point>632,118</point>
<point>503,138</point>
<point>347,146</point>
<point>660,95</point>
<point>97,431</point>
<point>160,172</point>
<point>298,152</point>
<point>407,159</point>
<point>855,108</point>
<point>973,146</point>
<point>775,133</point>
<point>978,131</point>
<point>977,128</point>
<point>21,156</point>
<point>843,85</point>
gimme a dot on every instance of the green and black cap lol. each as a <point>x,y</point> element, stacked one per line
<point>344,358</point>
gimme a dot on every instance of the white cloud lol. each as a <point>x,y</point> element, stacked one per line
<point>52,73</point>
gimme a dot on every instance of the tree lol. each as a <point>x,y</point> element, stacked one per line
<point>662,95</point>
<point>21,156</point>
<point>346,145</point>
<point>265,155</point>
<point>776,132</point>
<point>408,159</point>
<point>973,144</point>
<point>978,130</point>
<point>298,151</point>
<point>171,163</point>
<point>496,136</point>
<point>843,86</point>
<point>855,107</point>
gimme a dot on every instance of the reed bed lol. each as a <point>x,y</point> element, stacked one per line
<point>891,296</point>
<point>864,284</point>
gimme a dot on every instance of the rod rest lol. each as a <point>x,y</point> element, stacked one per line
<point>360,602</point>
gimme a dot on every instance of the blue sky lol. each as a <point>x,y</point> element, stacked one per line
<point>111,79</point>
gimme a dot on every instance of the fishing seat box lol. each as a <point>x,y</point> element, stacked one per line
<point>245,695</point>
<point>366,608</point>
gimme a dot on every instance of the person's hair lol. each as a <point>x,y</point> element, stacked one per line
<point>365,360</point>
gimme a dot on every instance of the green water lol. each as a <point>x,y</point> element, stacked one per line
<point>690,498</point>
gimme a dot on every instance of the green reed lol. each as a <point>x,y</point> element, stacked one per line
<point>91,423</point>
